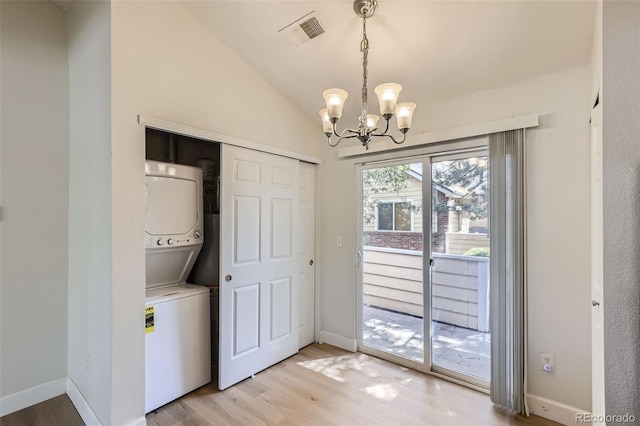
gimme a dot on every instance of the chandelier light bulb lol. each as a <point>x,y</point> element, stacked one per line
<point>388,97</point>
<point>404,114</point>
<point>335,101</point>
<point>327,126</point>
<point>372,121</point>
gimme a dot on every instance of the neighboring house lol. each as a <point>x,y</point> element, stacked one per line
<point>394,219</point>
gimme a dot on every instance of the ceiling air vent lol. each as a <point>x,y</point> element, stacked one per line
<point>304,29</point>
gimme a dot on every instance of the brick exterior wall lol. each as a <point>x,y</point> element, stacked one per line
<point>397,240</point>
<point>413,240</point>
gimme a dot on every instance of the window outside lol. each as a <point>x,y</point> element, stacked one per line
<point>394,216</point>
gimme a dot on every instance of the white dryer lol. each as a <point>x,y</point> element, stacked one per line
<point>173,221</point>
<point>178,338</point>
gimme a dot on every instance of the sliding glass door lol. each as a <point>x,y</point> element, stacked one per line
<point>459,287</point>
<point>423,263</point>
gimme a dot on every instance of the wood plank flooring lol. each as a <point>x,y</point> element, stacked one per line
<point>58,411</point>
<point>324,385</point>
<point>321,385</point>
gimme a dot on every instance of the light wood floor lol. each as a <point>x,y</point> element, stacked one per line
<point>324,385</point>
<point>58,411</point>
<point>321,385</point>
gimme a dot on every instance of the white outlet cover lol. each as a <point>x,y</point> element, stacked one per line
<point>548,362</point>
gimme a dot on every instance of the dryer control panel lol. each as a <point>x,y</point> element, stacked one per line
<point>152,241</point>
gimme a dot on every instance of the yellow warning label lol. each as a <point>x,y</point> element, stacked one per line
<point>149,319</point>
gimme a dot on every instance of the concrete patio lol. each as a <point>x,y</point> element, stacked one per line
<point>455,348</point>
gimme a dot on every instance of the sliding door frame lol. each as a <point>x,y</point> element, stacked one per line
<point>426,156</point>
<point>406,362</point>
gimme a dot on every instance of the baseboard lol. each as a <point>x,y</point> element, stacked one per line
<point>142,421</point>
<point>86,412</point>
<point>84,409</point>
<point>553,410</point>
<point>342,342</point>
<point>32,396</point>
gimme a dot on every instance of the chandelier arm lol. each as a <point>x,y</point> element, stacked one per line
<point>342,134</point>
<point>333,145</point>
<point>386,129</point>
<point>404,136</point>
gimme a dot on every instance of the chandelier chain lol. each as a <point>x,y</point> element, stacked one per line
<point>364,47</point>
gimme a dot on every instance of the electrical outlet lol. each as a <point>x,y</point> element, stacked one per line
<point>548,362</point>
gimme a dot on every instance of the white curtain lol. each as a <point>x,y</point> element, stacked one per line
<point>507,267</point>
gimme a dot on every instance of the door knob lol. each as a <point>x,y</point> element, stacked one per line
<point>311,262</point>
<point>594,303</point>
<point>227,278</point>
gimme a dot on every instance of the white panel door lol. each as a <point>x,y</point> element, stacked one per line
<point>306,251</point>
<point>259,221</point>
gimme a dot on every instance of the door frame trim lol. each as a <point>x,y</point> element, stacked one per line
<point>181,129</point>
<point>457,133</point>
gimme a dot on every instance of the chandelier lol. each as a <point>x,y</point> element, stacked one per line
<point>387,97</point>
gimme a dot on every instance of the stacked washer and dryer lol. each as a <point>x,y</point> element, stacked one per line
<point>177,339</point>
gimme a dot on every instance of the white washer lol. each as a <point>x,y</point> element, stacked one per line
<point>178,336</point>
<point>177,342</point>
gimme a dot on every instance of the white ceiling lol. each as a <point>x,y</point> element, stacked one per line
<point>434,49</point>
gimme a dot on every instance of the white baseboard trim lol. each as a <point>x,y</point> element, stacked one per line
<point>553,410</point>
<point>342,342</point>
<point>84,409</point>
<point>28,397</point>
<point>142,421</point>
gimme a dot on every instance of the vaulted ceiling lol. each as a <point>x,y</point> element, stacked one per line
<point>434,49</point>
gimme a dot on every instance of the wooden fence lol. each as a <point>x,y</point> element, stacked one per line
<point>393,280</point>
<point>460,242</point>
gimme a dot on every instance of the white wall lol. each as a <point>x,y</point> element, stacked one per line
<point>35,134</point>
<point>90,278</point>
<point>166,65</point>
<point>596,49</point>
<point>558,225</point>
<point>621,157</point>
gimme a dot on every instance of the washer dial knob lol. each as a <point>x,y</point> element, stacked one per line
<point>160,242</point>
<point>197,234</point>
<point>170,241</point>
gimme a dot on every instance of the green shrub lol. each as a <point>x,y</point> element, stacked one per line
<point>478,251</point>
